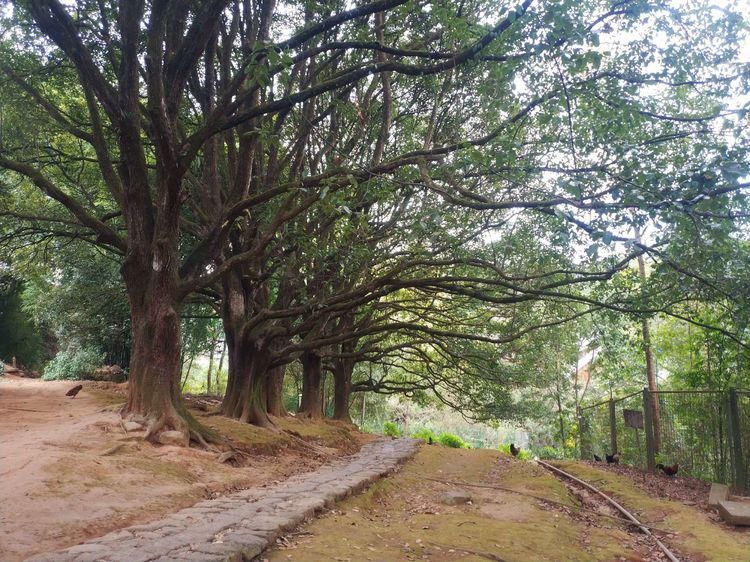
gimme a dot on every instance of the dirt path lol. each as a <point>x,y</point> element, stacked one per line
<point>59,486</point>
<point>240,526</point>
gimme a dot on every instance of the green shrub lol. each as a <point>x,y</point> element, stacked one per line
<point>524,455</point>
<point>73,364</point>
<point>550,453</point>
<point>391,429</point>
<point>425,435</point>
<point>453,441</point>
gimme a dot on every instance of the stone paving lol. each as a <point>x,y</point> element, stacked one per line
<point>238,527</point>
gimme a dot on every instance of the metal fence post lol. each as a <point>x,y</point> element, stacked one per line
<point>648,427</point>
<point>739,478</point>
<point>612,426</point>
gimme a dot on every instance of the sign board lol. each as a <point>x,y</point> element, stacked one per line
<point>633,418</point>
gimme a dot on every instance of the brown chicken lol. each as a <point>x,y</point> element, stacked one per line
<point>73,391</point>
<point>669,470</point>
<point>514,450</point>
<point>613,459</point>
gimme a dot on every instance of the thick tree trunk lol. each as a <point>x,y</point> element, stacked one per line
<point>249,358</point>
<point>245,398</point>
<point>342,389</point>
<point>312,377</point>
<point>275,392</point>
<point>154,396</point>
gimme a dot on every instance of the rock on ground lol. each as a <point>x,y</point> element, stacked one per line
<point>455,498</point>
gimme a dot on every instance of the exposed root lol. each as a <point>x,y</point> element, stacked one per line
<point>177,418</point>
<point>154,427</point>
<point>294,436</point>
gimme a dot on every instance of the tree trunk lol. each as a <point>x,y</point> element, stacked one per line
<point>210,365</point>
<point>650,367</point>
<point>154,396</point>
<point>312,376</point>
<point>275,392</point>
<point>652,384</point>
<point>245,398</point>
<point>342,381</point>
<point>561,418</point>
<point>249,358</point>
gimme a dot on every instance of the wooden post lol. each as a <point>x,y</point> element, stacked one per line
<point>739,477</point>
<point>648,428</point>
<point>612,426</point>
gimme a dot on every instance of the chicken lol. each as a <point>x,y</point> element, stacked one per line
<point>597,458</point>
<point>613,459</point>
<point>73,391</point>
<point>669,470</point>
<point>514,450</point>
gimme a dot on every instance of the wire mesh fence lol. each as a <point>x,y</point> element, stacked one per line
<point>630,425</point>
<point>706,432</point>
<point>690,428</point>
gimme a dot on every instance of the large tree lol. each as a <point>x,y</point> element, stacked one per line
<point>201,143</point>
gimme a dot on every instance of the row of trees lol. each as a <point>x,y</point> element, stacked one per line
<point>416,185</point>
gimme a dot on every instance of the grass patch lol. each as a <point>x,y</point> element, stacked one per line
<point>158,469</point>
<point>328,433</point>
<point>65,473</point>
<point>402,517</point>
<point>248,436</point>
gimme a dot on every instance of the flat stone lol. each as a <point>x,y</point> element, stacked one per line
<point>132,426</point>
<point>81,548</point>
<point>455,498</point>
<point>173,438</point>
<point>718,493</point>
<point>736,513</point>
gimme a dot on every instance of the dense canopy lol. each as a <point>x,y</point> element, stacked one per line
<point>448,200</point>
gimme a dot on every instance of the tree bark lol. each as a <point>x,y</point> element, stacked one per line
<point>154,395</point>
<point>245,398</point>
<point>342,389</point>
<point>210,365</point>
<point>249,357</point>
<point>275,392</point>
<point>650,367</point>
<point>312,377</point>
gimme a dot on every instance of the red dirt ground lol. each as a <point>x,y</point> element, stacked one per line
<point>69,472</point>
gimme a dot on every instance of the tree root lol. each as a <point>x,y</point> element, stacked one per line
<point>179,418</point>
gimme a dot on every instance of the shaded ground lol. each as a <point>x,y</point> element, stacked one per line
<point>684,489</point>
<point>402,518</point>
<point>69,471</point>
<point>699,533</point>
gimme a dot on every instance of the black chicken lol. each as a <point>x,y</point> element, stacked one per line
<point>669,470</point>
<point>73,391</point>
<point>613,459</point>
<point>597,458</point>
<point>514,450</point>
